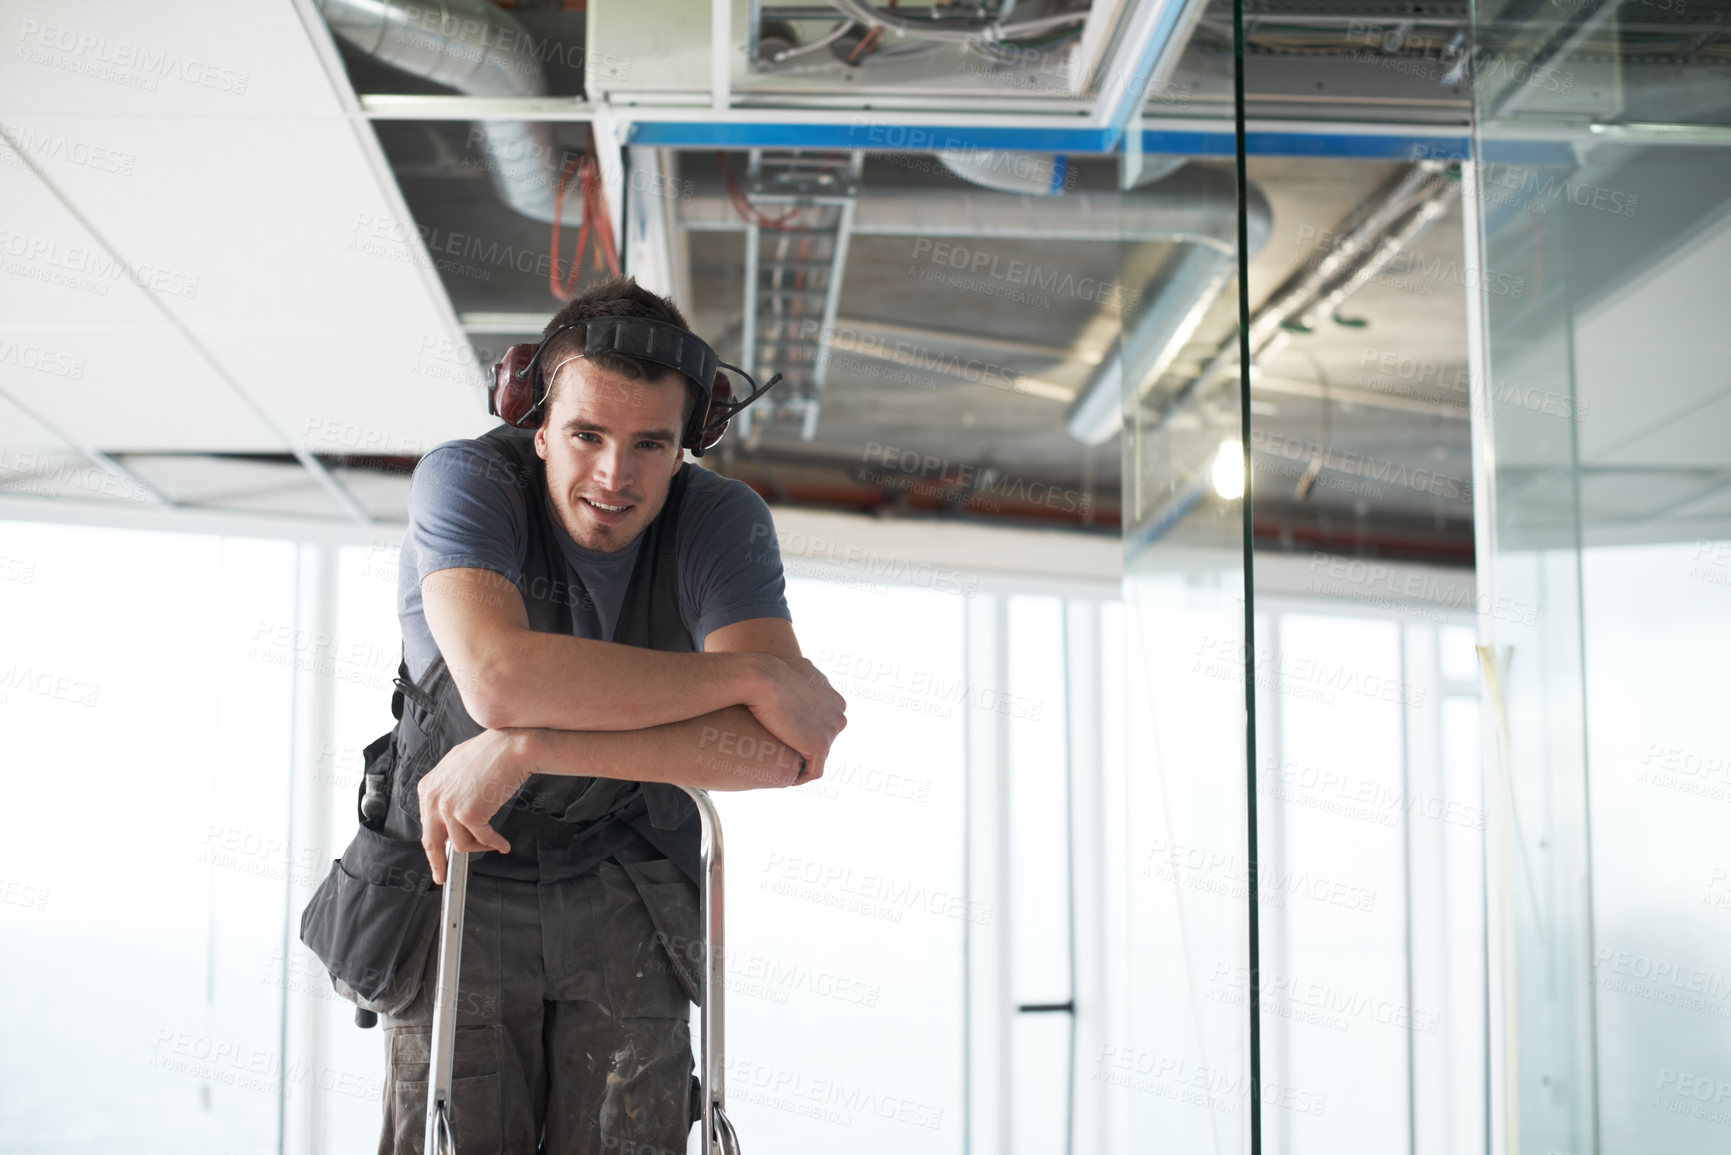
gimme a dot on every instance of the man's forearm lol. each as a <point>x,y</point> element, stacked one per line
<point>723,750</point>
<point>531,683</point>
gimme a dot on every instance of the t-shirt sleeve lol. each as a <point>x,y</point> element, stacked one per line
<point>732,572</point>
<point>465,512</point>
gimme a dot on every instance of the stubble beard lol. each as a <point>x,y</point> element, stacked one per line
<point>599,538</point>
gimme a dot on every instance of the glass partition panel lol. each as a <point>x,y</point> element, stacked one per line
<point>1179,1064</point>
<point>1371,974</point>
<point>1601,411</point>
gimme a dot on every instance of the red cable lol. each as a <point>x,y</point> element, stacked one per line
<point>606,250</point>
<point>595,220</point>
<point>745,209</point>
<point>868,43</point>
<point>560,291</point>
<point>582,233</point>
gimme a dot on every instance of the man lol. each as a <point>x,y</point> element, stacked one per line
<point>572,1034</point>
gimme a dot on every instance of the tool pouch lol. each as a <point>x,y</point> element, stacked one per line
<point>375,916</point>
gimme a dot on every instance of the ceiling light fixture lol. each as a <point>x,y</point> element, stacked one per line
<point>1227,473</point>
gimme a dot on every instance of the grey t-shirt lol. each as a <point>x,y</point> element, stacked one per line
<point>465,514</point>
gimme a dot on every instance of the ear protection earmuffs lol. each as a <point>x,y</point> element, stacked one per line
<point>520,389</point>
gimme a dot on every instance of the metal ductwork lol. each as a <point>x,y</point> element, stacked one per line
<point>1038,174</point>
<point>479,50</point>
<point>1179,295</point>
<point>1194,205</point>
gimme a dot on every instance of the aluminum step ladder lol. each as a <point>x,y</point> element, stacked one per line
<point>719,1136</point>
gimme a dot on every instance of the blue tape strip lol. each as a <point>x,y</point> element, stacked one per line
<point>867,135</point>
<point>891,137</point>
<point>1361,146</point>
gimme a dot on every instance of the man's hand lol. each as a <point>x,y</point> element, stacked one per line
<point>801,709</point>
<point>463,792</point>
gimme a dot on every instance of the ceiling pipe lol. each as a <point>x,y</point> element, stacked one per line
<point>1195,204</point>
<point>1038,174</point>
<point>478,49</point>
<point>1179,295</point>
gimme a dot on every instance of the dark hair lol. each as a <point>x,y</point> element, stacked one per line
<point>620,297</point>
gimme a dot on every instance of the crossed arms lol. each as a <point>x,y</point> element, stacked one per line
<point>738,716</point>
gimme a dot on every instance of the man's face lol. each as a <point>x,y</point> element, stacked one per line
<point>611,446</point>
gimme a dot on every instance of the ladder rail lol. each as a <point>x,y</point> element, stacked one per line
<point>442,1048</point>
<point>718,1134</point>
<point>719,1137</point>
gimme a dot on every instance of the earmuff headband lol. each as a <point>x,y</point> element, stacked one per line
<point>520,389</point>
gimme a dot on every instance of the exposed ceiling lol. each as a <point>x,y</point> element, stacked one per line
<point>245,270</point>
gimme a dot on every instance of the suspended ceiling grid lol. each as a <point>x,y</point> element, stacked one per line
<point>216,259</point>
